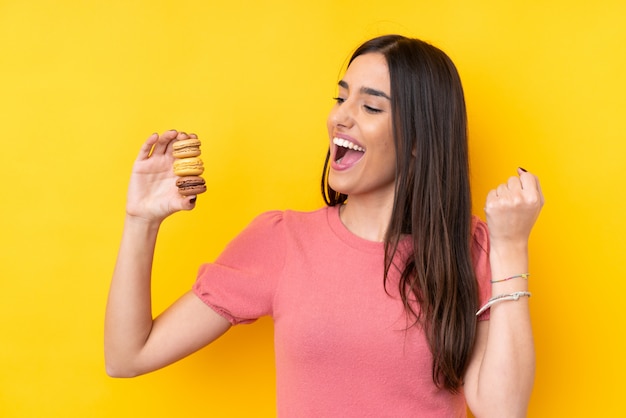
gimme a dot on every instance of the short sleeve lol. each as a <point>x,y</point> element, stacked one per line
<point>241,283</point>
<point>480,258</point>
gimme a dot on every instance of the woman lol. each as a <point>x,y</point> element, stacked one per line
<point>374,297</point>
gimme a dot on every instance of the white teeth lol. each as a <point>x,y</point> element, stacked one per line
<point>340,142</point>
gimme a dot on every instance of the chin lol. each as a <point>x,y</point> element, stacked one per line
<point>338,186</point>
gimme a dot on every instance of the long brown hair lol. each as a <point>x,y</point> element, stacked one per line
<point>432,200</point>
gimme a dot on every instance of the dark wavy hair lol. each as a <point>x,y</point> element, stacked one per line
<point>432,200</point>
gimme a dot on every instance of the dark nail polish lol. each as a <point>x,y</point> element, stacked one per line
<point>523,169</point>
<point>192,200</point>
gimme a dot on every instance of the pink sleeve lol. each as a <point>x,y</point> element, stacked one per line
<point>241,283</point>
<point>480,257</point>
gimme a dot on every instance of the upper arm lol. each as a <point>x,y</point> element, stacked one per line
<point>185,327</point>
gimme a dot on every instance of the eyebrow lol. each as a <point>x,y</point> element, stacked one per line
<point>366,90</point>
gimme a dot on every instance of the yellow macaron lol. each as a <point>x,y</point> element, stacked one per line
<point>188,167</point>
<point>186,148</point>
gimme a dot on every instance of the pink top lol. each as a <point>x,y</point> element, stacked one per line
<point>341,342</point>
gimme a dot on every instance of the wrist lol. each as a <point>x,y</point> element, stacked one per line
<point>136,223</point>
<point>508,250</point>
<point>508,242</point>
<point>508,261</point>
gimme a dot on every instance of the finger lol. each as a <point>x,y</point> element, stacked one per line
<point>164,141</point>
<point>182,135</point>
<point>514,184</point>
<point>491,197</point>
<point>541,198</point>
<point>532,187</point>
<point>502,190</point>
<point>146,148</point>
<point>528,180</point>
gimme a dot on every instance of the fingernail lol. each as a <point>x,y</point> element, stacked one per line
<point>523,169</point>
<point>192,200</point>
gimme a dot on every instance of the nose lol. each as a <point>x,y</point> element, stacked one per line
<point>342,114</point>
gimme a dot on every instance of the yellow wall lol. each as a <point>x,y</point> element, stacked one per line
<point>83,83</point>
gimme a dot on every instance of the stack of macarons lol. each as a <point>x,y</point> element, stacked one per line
<point>188,167</point>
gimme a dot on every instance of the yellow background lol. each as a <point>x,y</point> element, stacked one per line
<point>83,83</point>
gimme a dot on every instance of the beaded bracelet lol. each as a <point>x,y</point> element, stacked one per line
<point>517,276</point>
<point>501,298</point>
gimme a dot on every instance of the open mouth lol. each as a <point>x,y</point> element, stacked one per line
<point>346,152</point>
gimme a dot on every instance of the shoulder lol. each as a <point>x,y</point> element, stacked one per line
<point>288,220</point>
<point>315,216</point>
<point>293,218</point>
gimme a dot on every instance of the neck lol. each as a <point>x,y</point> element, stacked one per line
<point>367,218</point>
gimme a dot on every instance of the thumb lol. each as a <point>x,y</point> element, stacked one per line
<point>189,202</point>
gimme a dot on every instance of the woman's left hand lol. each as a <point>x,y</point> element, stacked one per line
<point>512,209</point>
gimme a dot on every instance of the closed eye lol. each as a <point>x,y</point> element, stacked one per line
<point>371,109</point>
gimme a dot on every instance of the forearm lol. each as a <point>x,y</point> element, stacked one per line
<point>128,319</point>
<point>506,373</point>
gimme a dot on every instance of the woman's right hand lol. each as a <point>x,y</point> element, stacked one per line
<point>134,342</point>
<point>152,192</point>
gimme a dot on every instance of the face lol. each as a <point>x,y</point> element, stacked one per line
<point>362,150</point>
